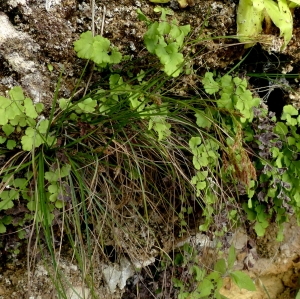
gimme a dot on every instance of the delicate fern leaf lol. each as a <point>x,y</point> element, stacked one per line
<point>16,93</point>
<point>175,31</point>
<point>63,103</point>
<point>202,121</point>
<point>51,176</point>
<point>39,107</point>
<point>11,144</point>
<point>194,142</point>
<point>2,139</point>
<point>8,129</point>
<point>43,127</point>
<point>27,139</point>
<point>162,54</point>
<point>29,108</point>
<point>185,29</point>
<point>151,38</point>
<point>100,49</point>
<point>4,102</point>
<point>65,170</point>
<point>210,85</point>
<point>3,117</point>
<point>115,56</point>
<point>88,105</point>
<point>84,46</point>
<point>164,28</point>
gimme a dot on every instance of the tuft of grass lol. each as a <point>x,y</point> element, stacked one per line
<point>118,180</point>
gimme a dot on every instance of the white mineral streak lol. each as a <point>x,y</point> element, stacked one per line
<point>31,78</point>
<point>20,63</point>
<point>50,3</point>
<point>14,3</point>
<point>117,274</point>
<point>6,29</point>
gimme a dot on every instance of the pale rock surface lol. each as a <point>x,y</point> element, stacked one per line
<point>272,284</point>
<point>19,50</point>
<point>275,273</point>
<point>239,239</point>
<point>78,292</point>
<point>50,3</point>
<point>15,3</point>
<point>117,274</point>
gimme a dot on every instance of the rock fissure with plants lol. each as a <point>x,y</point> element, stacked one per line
<point>113,153</point>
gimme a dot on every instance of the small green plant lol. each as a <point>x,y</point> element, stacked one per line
<point>204,284</point>
<point>120,93</point>
<point>252,13</point>
<point>278,193</point>
<point>234,94</point>
<point>58,190</point>
<point>25,128</point>
<point>19,114</point>
<point>5,220</point>
<point>165,40</point>
<point>117,143</point>
<point>233,111</point>
<point>270,181</point>
<point>97,49</point>
<point>14,190</point>
<point>185,211</point>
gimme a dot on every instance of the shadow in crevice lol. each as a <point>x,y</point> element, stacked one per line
<point>266,77</point>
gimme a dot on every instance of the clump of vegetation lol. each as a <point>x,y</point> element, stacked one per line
<point>251,14</point>
<point>201,284</point>
<point>132,149</point>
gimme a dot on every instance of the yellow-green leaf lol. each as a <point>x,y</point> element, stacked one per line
<point>160,1</point>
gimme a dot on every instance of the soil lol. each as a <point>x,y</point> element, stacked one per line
<point>49,37</point>
<point>32,38</point>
